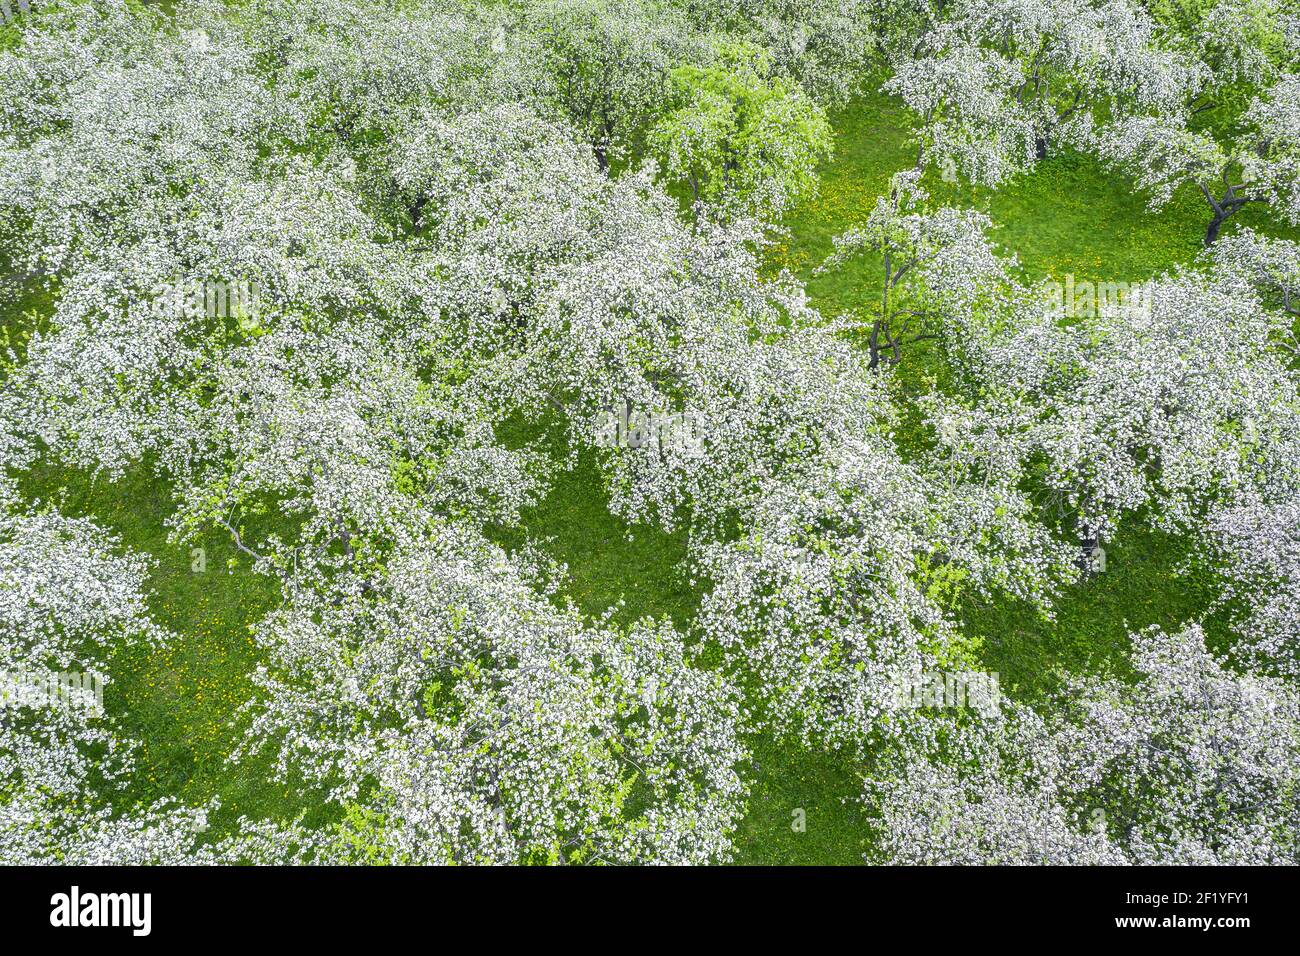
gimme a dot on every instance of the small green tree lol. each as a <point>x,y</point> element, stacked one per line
<point>739,138</point>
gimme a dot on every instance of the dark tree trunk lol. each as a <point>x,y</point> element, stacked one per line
<point>1216,224</point>
<point>874,346</point>
<point>1222,208</point>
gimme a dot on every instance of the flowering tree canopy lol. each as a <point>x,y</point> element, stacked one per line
<point>354,283</point>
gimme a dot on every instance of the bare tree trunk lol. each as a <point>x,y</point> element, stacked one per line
<point>874,346</point>
<point>1212,233</point>
<point>1223,208</point>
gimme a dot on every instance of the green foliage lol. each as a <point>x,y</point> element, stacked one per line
<point>739,138</point>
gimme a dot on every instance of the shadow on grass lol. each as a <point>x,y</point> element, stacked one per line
<point>1140,587</point>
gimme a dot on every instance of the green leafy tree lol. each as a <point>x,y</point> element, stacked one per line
<point>740,139</point>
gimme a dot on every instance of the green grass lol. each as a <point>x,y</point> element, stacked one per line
<point>1140,587</point>
<point>1069,215</point>
<point>638,569</point>
<point>827,788</point>
<point>181,702</point>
